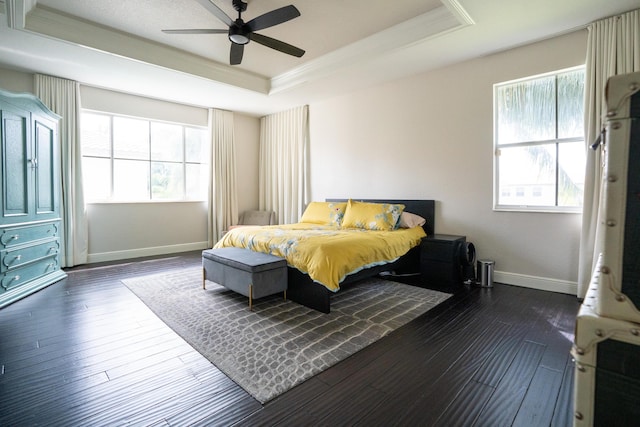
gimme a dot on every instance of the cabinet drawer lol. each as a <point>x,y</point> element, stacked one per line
<point>15,236</point>
<point>441,247</point>
<point>14,278</point>
<point>17,257</point>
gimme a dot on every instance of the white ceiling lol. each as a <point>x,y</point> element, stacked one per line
<point>349,44</point>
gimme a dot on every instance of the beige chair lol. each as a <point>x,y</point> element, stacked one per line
<point>254,218</point>
<point>257,218</point>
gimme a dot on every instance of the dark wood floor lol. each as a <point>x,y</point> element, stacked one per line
<point>86,351</point>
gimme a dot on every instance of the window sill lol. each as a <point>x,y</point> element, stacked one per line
<point>142,202</point>
<point>537,209</point>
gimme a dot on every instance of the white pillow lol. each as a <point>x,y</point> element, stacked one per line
<point>409,220</point>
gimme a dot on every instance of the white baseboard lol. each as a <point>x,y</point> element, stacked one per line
<point>535,282</point>
<point>144,252</point>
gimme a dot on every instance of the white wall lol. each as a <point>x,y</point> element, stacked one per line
<point>127,230</point>
<point>122,230</point>
<point>109,101</point>
<point>431,136</point>
<point>15,81</point>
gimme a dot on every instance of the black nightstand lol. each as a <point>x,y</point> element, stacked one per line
<point>440,265</point>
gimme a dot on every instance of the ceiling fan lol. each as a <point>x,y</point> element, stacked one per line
<point>240,32</point>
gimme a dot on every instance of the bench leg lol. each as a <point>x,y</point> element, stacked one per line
<point>285,294</point>
<point>250,297</point>
<point>204,279</point>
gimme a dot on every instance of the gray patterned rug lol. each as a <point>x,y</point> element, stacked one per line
<point>280,343</point>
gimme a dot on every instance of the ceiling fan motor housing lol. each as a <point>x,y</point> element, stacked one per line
<point>238,34</point>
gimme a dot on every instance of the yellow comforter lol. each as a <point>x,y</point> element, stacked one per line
<point>327,254</point>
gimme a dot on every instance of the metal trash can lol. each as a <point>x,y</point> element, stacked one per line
<point>485,272</point>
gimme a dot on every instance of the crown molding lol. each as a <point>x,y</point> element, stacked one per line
<point>443,19</point>
<point>461,14</point>
<point>47,22</point>
<point>16,10</point>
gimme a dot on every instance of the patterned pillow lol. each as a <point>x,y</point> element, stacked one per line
<point>325,213</point>
<point>371,216</point>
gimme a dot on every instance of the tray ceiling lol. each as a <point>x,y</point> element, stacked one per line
<point>349,44</point>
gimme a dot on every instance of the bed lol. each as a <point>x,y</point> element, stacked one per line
<point>378,246</point>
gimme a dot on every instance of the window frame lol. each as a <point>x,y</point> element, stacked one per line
<point>149,160</point>
<point>555,141</point>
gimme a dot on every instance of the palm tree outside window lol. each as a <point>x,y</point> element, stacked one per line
<point>539,143</point>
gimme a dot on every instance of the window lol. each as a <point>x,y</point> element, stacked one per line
<point>127,159</point>
<point>539,142</point>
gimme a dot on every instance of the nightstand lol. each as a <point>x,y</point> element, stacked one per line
<point>440,264</point>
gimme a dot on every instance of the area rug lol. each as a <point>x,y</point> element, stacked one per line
<point>280,343</point>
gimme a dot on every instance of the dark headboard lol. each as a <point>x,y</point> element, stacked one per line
<point>424,208</point>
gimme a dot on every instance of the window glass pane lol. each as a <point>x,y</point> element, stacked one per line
<point>166,142</point>
<point>197,181</point>
<point>571,104</point>
<point>526,111</point>
<point>196,146</point>
<point>96,135</point>
<point>130,138</point>
<point>167,180</point>
<point>131,180</point>
<point>571,160</point>
<point>527,175</point>
<point>96,178</point>
<point>130,160</point>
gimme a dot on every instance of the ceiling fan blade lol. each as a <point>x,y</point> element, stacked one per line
<point>275,17</point>
<point>196,31</point>
<point>276,44</point>
<point>215,10</point>
<point>235,56</point>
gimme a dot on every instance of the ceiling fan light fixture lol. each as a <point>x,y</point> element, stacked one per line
<point>241,33</point>
<point>237,36</point>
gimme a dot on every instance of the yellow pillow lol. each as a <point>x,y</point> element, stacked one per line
<point>371,216</point>
<point>325,213</point>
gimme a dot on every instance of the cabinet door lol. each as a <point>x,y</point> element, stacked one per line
<point>17,166</point>
<point>44,145</point>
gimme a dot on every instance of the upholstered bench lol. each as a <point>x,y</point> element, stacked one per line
<point>249,273</point>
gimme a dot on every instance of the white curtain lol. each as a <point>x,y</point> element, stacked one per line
<point>63,97</point>
<point>613,47</point>
<point>223,198</point>
<point>284,154</point>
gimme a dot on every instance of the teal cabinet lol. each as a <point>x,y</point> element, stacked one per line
<point>30,203</point>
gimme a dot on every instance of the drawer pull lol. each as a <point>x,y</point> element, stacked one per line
<point>8,239</point>
<point>14,260</point>
<point>6,283</point>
